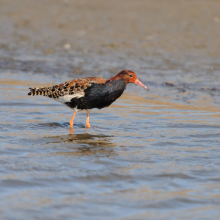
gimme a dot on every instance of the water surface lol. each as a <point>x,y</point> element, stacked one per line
<point>151,155</point>
<point>147,156</point>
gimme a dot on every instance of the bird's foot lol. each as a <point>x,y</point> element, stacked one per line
<point>88,125</point>
<point>71,130</point>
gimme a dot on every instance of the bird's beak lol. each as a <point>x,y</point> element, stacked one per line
<point>141,84</point>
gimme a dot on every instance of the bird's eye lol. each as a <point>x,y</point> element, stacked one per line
<point>131,75</point>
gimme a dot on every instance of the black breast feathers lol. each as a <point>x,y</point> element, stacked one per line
<point>99,95</point>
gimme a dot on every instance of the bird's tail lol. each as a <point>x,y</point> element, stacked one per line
<point>51,92</point>
<point>39,91</point>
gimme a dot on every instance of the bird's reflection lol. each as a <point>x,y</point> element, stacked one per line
<point>84,144</point>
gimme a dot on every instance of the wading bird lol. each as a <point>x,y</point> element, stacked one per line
<point>90,92</point>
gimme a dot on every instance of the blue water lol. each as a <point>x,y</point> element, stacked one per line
<point>148,156</point>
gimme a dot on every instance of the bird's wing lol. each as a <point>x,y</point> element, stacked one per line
<point>64,92</point>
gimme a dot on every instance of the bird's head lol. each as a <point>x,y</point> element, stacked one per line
<point>130,77</point>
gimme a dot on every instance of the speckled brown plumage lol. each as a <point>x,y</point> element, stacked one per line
<point>68,88</point>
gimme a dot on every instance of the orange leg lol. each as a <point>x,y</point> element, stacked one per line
<point>71,130</point>
<point>87,120</point>
<point>71,120</point>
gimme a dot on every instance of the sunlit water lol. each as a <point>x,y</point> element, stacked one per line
<point>151,155</point>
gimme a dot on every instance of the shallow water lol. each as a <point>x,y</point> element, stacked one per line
<point>151,155</point>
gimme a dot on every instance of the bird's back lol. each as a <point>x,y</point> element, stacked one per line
<point>84,93</point>
<point>75,87</point>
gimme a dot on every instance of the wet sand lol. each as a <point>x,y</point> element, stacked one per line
<point>151,155</point>
<point>136,27</point>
